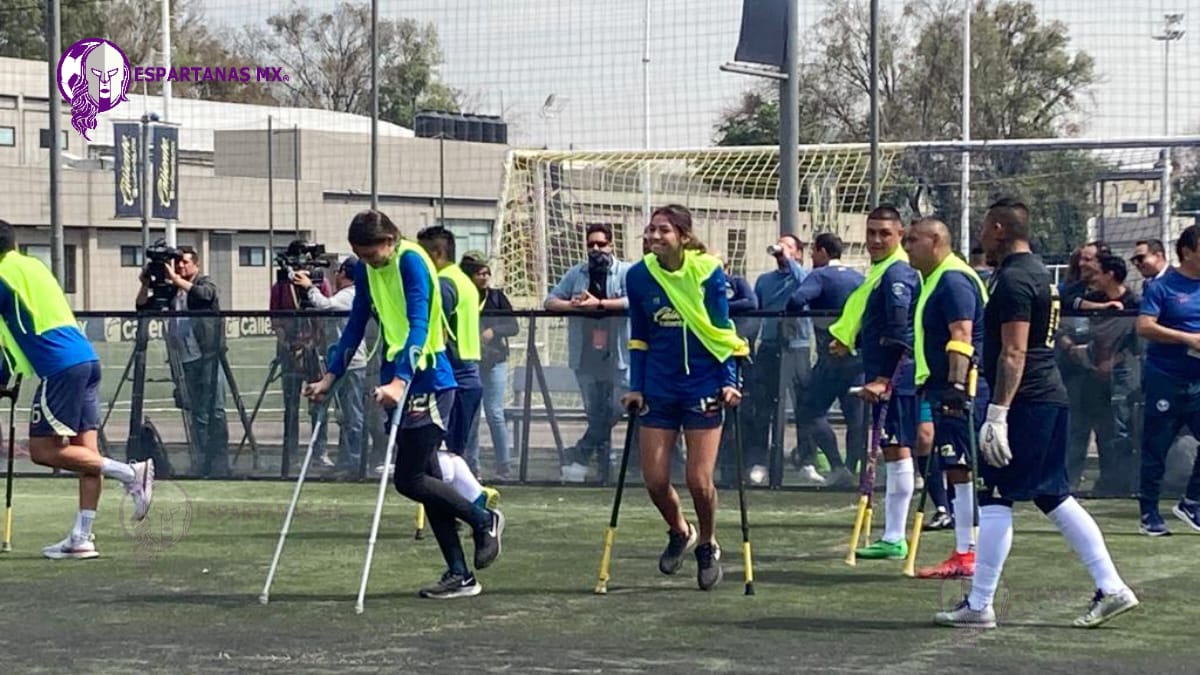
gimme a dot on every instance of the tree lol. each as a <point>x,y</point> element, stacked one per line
<point>328,58</point>
<point>1026,83</point>
<point>135,26</point>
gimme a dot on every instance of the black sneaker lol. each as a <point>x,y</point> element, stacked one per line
<point>678,545</point>
<point>487,541</point>
<point>940,521</point>
<point>708,560</point>
<point>452,585</point>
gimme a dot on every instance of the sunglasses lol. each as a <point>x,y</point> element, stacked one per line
<point>597,244</point>
<point>1138,259</point>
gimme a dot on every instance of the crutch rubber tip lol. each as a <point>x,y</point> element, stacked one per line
<point>358,609</point>
<point>601,589</point>
<point>419,535</point>
<point>264,599</point>
<point>750,588</point>
<point>6,548</point>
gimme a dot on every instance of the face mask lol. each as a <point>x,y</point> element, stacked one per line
<point>599,259</point>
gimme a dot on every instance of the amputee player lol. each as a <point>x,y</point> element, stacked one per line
<point>1170,321</point>
<point>682,346</point>
<point>41,337</point>
<point>948,333</point>
<point>878,317</point>
<point>399,283</point>
<point>1023,442</point>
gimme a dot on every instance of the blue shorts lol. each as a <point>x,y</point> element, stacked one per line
<point>952,439</point>
<point>67,403</point>
<point>1037,436</point>
<point>675,414</point>
<point>900,427</point>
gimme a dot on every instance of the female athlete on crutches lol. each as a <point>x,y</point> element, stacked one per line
<point>399,282</point>
<point>682,348</point>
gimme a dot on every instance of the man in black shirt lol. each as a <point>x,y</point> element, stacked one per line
<point>1027,463</point>
<point>1107,362</point>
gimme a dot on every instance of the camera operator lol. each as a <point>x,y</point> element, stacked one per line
<point>198,343</point>
<point>349,398</point>
<point>299,342</point>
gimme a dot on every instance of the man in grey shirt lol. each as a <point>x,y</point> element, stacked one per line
<point>350,395</point>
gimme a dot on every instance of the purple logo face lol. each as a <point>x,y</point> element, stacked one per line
<point>94,75</point>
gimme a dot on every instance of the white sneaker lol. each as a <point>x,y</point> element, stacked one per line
<point>965,617</point>
<point>1105,607</point>
<point>71,548</point>
<point>758,475</point>
<point>574,473</point>
<point>141,488</point>
<point>810,476</point>
<point>323,462</point>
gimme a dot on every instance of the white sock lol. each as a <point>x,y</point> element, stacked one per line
<point>118,470</point>
<point>899,494</point>
<point>964,517</point>
<point>1085,538</point>
<point>83,524</point>
<point>456,472</point>
<point>995,541</point>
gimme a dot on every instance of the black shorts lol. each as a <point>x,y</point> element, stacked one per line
<point>1037,436</point>
<point>424,409</point>
<point>952,435</point>
<point>903,414</point>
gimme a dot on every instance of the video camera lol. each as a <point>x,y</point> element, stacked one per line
<point>158,255</point>
<point>301,256</point>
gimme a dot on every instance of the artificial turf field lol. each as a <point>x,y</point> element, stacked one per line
<point>148,605</point>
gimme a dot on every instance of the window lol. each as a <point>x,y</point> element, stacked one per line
<point>132,256</point>
<point>8,136</point>
<point>470,234</point>
<point>1153,208</point>
<point>252,256</point>
<point>44,139</point>
<point>42,252</point>
<point>1129,207</point>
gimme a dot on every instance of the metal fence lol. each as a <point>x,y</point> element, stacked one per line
<point>533,402</point>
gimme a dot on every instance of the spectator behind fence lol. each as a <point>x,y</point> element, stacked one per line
<point>1150,259</point>
<point>493,366</point>
<point>1108,361</point>
<point>198,343</point>
<point>980,264</point>
<point>741,299</point>
<point>783,343</point>
<point>596,348</point>
<point>1170,320</point>
<point>828,288</point>
<point>300,345</point>
<point>352,391</point>
<point>1071,344</point>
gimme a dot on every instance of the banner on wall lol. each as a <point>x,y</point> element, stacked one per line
<point>164,186</point>
<point>127,169</point>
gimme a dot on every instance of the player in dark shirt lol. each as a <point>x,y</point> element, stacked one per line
<point>1170,321</point>
<point>1023,441</point>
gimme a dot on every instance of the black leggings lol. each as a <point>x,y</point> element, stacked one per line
<point>419,478</point>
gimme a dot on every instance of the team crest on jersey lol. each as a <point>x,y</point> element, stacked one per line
<point>899,289</point>
<point>667,317</point>
<point>1163,405</point>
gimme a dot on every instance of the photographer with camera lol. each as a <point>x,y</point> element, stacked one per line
<point>171,279</point>
<point>349,398</point>
<point>300,342</point>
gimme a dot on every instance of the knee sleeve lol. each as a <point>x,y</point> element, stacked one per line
<point>1047,503</point>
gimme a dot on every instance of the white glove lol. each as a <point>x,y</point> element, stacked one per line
<point>993,437</point>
